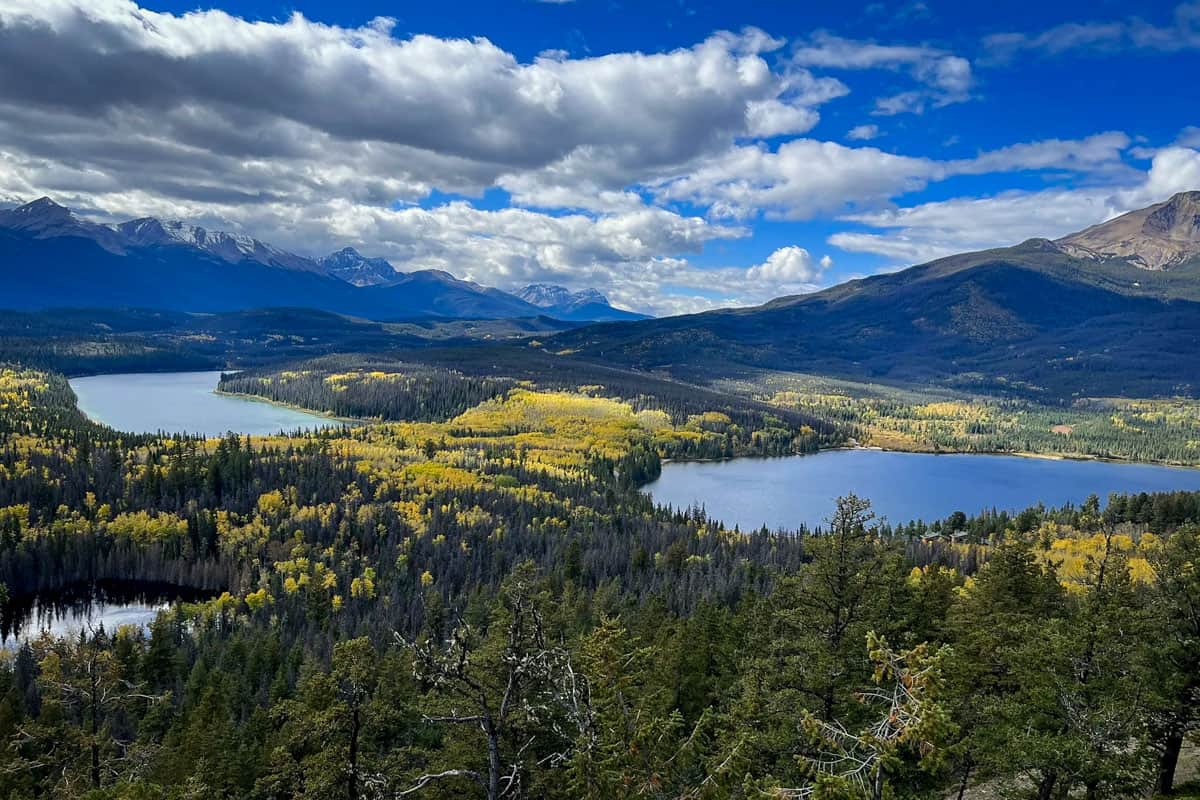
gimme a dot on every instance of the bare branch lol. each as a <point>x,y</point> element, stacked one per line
<point>425,780</point>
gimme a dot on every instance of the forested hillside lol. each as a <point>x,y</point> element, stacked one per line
<point>486,606</point>
<point>1030,320</point>
<point>1145,430</point>
<point>369,388</point>
<point>438,383</point>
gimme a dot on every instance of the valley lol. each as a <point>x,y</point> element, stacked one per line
<point>577,400</point>
<point>682,505</point>
<point>903,488</point>
<point>385,530</point>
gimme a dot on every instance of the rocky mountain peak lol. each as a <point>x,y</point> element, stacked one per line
<point>1178,218</point>
<point>40,212</point>
<point>352,267</point>
<point>43,205</point>
<point>46,219</point>
<point>548,295</point>
<point>1160,237</point>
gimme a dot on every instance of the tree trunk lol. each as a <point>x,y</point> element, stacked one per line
<point>1168,761</point>
<point>1046,786</point>
<point>827,701</point>
<point>966,777</point>
<point>352,782</point>
<point>493,785</point>
<point>95,732</point>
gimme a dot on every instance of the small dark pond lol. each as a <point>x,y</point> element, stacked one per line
<point>108,604</point>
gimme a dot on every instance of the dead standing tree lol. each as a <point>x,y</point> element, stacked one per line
<point>520,691</point>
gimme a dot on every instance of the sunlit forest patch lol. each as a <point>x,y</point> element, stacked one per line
<point>1158,430</point>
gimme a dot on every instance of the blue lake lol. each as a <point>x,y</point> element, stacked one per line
<point>182,402</point>
<point>787,492</point>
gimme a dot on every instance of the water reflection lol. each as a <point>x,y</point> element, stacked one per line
<point>108,605</point>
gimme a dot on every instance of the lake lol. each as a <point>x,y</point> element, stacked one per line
<point>108,604</point>
<point>182,402</point>
<point>794,490</point>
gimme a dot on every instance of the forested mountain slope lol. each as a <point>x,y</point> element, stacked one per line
<point>1030,318</point>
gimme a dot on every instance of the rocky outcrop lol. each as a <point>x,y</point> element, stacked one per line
<point>1160,237</point>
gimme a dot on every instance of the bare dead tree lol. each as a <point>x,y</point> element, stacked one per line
<point>519,690</point>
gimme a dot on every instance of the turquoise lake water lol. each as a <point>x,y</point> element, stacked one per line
<point>182,402</point>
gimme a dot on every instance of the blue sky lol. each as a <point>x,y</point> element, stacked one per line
<point>676,155</point>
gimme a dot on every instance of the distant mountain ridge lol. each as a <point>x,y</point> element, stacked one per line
<point>562,303</point>
<point>231,247</point>
<point>53,257</point>
<point>1119,315</point>
<point>46,219</point>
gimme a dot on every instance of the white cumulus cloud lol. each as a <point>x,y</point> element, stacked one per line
<point>790,265</point>
<point>932,230</point>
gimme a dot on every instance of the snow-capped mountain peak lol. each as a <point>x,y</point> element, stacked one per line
<point>46,219</point>
<point>191,255</point>
<point>39,215</point>
<point>546,295</point>
<point>231,247</point>
<point>352,267</point>
<point>43,210</point>
<point>561,302</point>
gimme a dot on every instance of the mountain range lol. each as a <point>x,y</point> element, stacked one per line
<point>1114,309</point>
<point>562,303</point>
<point>50,256</point>
<point>1110,310</point>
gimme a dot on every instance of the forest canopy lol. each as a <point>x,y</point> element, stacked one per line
<point>480,603</point>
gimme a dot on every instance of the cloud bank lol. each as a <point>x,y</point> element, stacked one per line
<point>614,171</point>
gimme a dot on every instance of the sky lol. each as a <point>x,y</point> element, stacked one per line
<point>677,155</point>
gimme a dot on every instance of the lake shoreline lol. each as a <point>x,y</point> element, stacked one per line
<point>187,403</point>
<point>1083,457</point>
<point>358,421</point>
<point>255,398</point>
<point>876,448</point>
